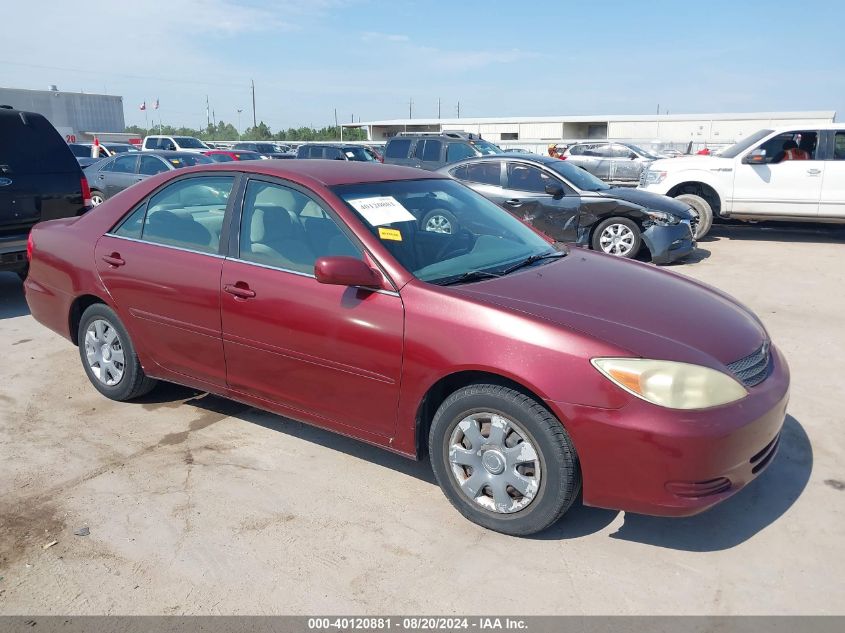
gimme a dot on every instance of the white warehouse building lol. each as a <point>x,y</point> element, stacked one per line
<point>658,131</point>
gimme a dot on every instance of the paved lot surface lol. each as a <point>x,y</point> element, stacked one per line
<point>203,506</point>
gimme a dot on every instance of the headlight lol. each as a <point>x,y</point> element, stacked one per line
<point>662,218</point>
<point>670,384</point>
<point>654,177</point>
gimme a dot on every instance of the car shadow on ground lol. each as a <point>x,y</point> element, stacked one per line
<point>727,525</point>
<point>776,232</point>
<point>12,301</point>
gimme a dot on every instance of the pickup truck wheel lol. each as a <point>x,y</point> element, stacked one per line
<point>617,236</point>
<point>704,211</point>
<point>108,355</point>
<point>503,460</point>
<point>97,198</point>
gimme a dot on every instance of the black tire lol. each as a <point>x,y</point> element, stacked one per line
<point>134,382</point>
<point>595,243</point>
<point>96,193</point>
<point>704,211</point>
<point>560,482</point>
<point>447,219</point>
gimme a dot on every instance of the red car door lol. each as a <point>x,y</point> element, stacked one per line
<point>162,268</point>
<point>331,355</point>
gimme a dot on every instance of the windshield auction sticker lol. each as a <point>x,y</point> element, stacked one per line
<point>389,234</point>
<point>382,210</point>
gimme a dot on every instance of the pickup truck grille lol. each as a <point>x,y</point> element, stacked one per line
<point>754,368</point>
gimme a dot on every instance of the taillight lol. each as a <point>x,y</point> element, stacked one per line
<point>29,247</point>
<point>562,157</point>
<point>86,193</point>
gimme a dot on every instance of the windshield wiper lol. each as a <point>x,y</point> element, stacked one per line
<point>470,275</point>
<point>530,260</point>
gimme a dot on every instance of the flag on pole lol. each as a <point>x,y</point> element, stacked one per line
<point>143,105</point>
<point>155,105</point>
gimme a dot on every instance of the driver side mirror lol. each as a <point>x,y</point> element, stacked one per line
<point>555,190</point>
<point>346,271</point>
<point>755,157</point>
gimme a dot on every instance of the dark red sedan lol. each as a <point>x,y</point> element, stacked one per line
<point>227,155</point>
<point>310,288</point>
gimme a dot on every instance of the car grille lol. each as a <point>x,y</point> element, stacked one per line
<point>754,368</point>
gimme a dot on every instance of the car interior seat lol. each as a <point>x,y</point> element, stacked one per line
<point>274,240</point>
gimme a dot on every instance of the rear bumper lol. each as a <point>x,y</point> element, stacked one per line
<point>650,460</point>
<point>668,244</point>
<point>13,252</point>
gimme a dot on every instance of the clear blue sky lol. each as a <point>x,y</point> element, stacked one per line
<point>369,57</point>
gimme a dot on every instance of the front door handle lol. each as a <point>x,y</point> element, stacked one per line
<point>239,290</point>
<point>100,177</point>
<point>814,172</point>
<point>114,260</point>
<point>513,202</point>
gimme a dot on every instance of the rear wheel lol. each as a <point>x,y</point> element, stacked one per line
<point>702,209</point>
<point>108,355</point>
<point>97,198</point>
<point>617,236</point>
<point>503,460</point>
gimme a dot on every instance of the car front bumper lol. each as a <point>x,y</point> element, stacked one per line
<point>652,460</point>
<point>668,244</point>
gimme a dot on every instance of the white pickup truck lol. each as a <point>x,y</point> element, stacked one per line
<point>795,174</point>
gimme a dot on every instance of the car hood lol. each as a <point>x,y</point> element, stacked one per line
<point>648,200</point>
<point>637,307</point>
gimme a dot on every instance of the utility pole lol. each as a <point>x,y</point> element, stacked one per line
<point>239,123</point>
<point>411,108</point>
<point>438,108</point>
<point>340,129</point>
<point>658,108</point>
<point>207,115</point>
<point>254,122</point>
<point>459,109</point>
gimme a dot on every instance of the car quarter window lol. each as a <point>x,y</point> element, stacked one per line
<point>522,177</point>
<point>458,151</point>
<point>188,214</point>
<point>839,146</point>
<point>487,173</point>
<point>286,229</point>
<point>151,165</point>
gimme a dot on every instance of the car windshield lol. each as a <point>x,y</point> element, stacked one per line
<point>190,142</point>
<point>737,148</point>
<point>358,153</point>
<point>642,152</point>
<point>121,148</point>
<point>220,158</point>
<point>266,148</point>
<point>485,148</point>
<point>579,177</point>
<point>409,217</point>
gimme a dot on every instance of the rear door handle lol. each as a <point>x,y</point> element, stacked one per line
<point>814,172</point>
<point>100,177</point>
<point>513,202</point>
<point>240,290</point>
<point>114,260</point>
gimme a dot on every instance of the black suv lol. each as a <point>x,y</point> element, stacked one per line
<point>433,150</point>
<point>334,151</point>
<point>40,179</point>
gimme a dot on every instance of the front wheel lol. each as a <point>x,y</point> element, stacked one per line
<point>108,355</point>
<point>703,211</point>
<point>617,236</point>
<point>503,460</point>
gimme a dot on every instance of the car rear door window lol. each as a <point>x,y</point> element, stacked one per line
<point>431,151</point>
<point>333,153</point>
<point>398,148</point>
<point>124,164</point>
<point>487,173</point>
<point>188,214</point>
<point>620,151</point>
<point>286,229</point>
<point>151,165</point>
<point>839,146</point>
<point>458,151</point>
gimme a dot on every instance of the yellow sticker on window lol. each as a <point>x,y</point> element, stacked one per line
<point>389,234</point>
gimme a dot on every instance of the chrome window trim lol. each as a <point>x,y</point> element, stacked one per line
<point>170,246</point>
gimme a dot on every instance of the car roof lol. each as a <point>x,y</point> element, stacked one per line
<point>324,172</point>
<point>166,153</point>
<point>516,156</point>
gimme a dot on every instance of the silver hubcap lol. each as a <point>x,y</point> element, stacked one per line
<point>96,200</point>
<point>494,463</point>
<point>438,224</point>
<point>104,352</point>
<point>617,239</point>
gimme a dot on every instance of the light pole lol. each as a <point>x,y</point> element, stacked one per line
<point>239,123</point>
